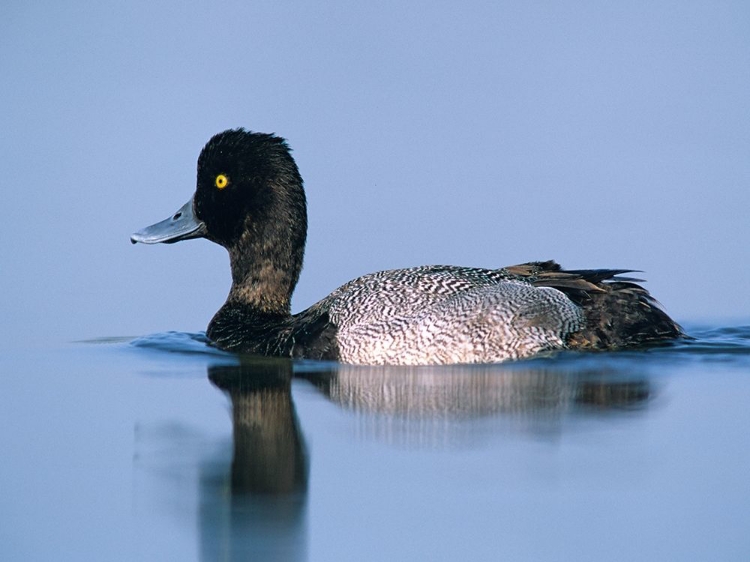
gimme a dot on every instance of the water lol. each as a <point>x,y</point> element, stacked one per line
<point>161,448</point>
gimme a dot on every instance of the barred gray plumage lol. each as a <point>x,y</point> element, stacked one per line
<point>443,314</point>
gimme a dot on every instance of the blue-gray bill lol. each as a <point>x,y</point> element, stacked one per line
<point>183,225</point>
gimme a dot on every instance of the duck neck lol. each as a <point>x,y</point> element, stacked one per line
<point>265,269</point>
<point>263,288</point>
<point>256,315</point>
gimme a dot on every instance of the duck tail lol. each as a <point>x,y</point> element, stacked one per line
<point>618,312</point>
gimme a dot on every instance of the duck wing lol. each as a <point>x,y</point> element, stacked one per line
<point>618,312</point>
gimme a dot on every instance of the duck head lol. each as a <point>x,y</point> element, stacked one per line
<point>249,198</point>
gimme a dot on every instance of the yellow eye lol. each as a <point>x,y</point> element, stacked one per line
<point>221,181</point>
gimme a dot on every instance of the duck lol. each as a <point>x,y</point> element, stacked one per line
<point>250,199</point>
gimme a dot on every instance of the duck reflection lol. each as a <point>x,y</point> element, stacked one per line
<point>460,405</point>
<point>264,512</point>
<point>471,391</point>
<point>269,452</point>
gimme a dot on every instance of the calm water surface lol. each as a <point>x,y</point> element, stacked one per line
<point>160,448</point>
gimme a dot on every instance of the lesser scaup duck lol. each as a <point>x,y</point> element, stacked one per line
<point>249,198</point>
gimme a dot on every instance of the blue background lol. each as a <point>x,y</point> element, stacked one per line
<point>483,134</point>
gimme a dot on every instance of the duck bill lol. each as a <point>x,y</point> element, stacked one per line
<point>183,225</point>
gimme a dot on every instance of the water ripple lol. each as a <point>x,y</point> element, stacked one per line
<point>179,342</point>
<point>705,344</point>
<point>731,340</point>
